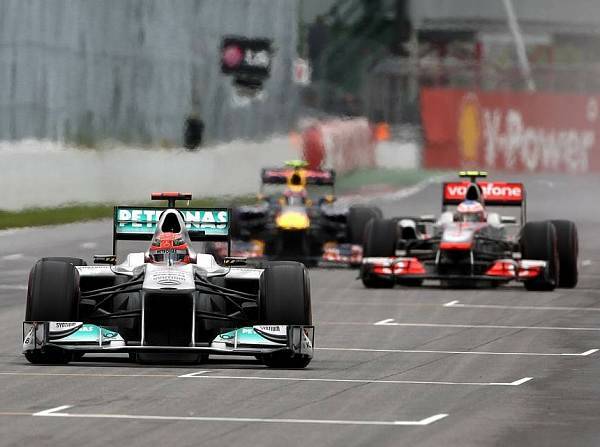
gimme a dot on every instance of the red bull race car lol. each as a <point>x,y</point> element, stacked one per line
<point>297,217</point>
<point>470,245</point>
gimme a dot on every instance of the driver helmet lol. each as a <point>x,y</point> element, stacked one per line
<point>470,211</point>
<point>169,248</point>
<point>295,198</point>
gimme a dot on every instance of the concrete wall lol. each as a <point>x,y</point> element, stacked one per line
<point>132,70</point>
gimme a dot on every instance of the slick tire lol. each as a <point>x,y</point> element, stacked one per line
<point>358,217</point>
<point>235,228</point>
<point>568,252</point>
<point>539,242</point>
<point>379,241</point>
<point>285,299</point>
<point>52,295</point>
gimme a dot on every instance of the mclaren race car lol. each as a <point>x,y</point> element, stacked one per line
<point>298,218</point>
<point>471,246</point>
<point>168,303</point>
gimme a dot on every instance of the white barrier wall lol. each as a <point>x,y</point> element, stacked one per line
<point>39,174</point>
<point>45,174</point>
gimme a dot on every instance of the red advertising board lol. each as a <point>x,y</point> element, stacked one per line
<point>512,131</point>
<point>343,145</point>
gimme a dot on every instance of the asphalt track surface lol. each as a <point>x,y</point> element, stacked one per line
<point>494,367</point>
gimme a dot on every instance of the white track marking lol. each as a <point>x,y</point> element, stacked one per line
<point>399,194</point>
<point>89,245</point>
<point>95,375</point>
<point>443,325</point>
<point>12,287</point>
<point>193,374</point>
<point>55,412</point>
<point>364,381</point>
<point>13,257</point>
<point>392,322</point>
<point>586,262</point>
<point>426,351</point>
<point>384,322</point>
<point>451,303</point>
<point>458,304</point>
<point>52,411</point>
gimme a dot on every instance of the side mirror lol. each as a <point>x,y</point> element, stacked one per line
<point>508,219</point>
<point>427,218</point>
<point>105,259</point>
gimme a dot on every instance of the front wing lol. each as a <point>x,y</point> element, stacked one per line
<point>252,340</point>
<point>399,268</point>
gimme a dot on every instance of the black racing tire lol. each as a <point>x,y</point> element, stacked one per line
<point>538,242</point>
<point>568,252</point>
<point>358,217</point>
<point>284,298</point>
<point>380,241</point>
<point>53,295</point>
<point>235,226</point>
<point>411,282</point>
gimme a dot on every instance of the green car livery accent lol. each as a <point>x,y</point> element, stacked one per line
<point>143,220</point>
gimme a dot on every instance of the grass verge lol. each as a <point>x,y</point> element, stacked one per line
<point>388,178</point>
<point>32,217</point>
<point>349,183</point>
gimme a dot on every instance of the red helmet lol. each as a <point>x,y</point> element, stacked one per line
<point>169,247</point>
<point>470,211</point>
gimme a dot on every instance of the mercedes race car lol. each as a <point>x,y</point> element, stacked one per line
<point>470,245</point>
<point>168,303</point>
<point>298,218</point>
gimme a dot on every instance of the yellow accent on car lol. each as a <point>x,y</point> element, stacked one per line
<point>472,174</point>
<point>292,220</point>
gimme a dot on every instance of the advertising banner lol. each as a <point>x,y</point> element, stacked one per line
<point>510,131</point>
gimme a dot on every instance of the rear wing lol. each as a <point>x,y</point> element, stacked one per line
<point>492,193</point>
<point>139,223</point>
<point>278,176</point>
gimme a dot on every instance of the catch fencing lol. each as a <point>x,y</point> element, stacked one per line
<point>133,70</point>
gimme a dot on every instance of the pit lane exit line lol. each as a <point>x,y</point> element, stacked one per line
<point>204,375</point>
<point>58,412</point>
<point>458,304</point>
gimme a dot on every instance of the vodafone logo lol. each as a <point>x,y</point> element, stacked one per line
<point>491,191</point>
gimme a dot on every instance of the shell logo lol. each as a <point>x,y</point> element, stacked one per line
<point>469,128</point>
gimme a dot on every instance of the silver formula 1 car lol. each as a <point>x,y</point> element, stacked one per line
<point>471,245</point>
<point>169,302</point>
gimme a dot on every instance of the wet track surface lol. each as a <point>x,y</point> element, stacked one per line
<point>393,367</point>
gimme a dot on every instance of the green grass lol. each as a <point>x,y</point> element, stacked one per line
<point>32,217</point>
<point>393,178</point>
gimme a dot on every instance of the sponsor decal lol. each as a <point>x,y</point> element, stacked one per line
<point>169,277</point>
<point>144,220</point>
<point>508,136</point>
<point>516,131</point>
<point>469,128</point>
<point>492,191</point>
